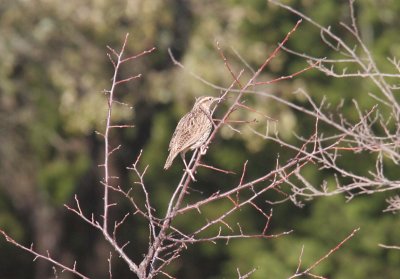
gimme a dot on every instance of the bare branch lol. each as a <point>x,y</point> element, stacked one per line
<point>44,257</point>
<point>311,267</point>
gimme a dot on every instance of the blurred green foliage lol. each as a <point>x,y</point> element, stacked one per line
<point>54,69</point>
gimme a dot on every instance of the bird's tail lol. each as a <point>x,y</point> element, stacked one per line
<point>170,159</point>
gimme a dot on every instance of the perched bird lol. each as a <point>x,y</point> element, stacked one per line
<point>192,130</point>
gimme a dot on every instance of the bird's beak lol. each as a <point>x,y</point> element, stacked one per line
<point>218,99</point>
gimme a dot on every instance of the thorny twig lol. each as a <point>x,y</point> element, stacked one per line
<point>308,270</point>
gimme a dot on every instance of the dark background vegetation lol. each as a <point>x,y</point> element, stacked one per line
<point>53,69</point>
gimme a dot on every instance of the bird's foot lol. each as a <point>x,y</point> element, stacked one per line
<point>203,149</point>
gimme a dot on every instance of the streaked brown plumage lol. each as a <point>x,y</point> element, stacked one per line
<point>192,130</point>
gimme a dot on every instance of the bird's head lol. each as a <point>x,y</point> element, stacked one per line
<point>205,102</point>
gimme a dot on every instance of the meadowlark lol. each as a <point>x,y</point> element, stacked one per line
<point>192,130</point>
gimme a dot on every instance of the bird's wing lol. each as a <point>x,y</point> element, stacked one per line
<point>187,132</point>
